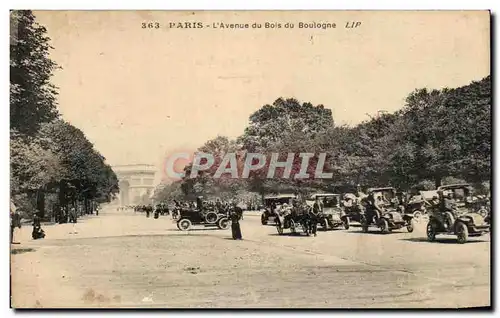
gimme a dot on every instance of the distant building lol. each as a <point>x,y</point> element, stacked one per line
<point>136,183</point>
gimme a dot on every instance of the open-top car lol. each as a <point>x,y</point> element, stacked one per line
<point>392,216</point>
<point>295,217</point>
<point>333,215</point>
<point>353,207</point>
<point>457,213</point>
<point>271,203</point>
<point>418,203</point>
<point>189,217</point>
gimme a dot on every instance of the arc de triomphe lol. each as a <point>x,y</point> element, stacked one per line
<point>136,183</point>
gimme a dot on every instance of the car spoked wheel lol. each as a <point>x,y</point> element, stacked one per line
<point>305,228</point>
<point>409,226</point>
<point>431,232</point>
<point>211,217</point>
<point>384,226</point>
<point>462,232</point>
<point>292,227</point>
<point>184,224</point>
<point>346,222</point>
<point>279,229</point>
<point>223,223</point>
<point>263,220</point>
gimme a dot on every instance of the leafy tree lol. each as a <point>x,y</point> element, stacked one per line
<point>204,184</point>
<point>269,124</point>
<point>85,169</point>
<point>32,96</point>
<point>451,131</point>
<point>33,164</point>
<point>437,135</point>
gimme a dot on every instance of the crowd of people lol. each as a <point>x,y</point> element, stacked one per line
<point>65,214</point>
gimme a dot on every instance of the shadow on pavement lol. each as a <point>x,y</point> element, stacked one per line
<point>21,250</point>
<point>373,232</point>
<point>197,229</point>
<point>447,240</point>
<point>291,234</point>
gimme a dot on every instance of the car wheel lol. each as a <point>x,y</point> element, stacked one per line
<point>462,232</point>
<point>279,229</point>
<point>184,224</point>
<point>211,217</point>
<point>223,223</point>
<point>305,228</point>
<point>346,222</point>
<point>384,226</point>
<point>263,220</point>
<point>292,227</point>
<point>431,232</point>
<point>409,226</point>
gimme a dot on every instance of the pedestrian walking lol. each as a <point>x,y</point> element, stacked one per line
<point>317,210</point>
<point>38,232</point>
<point>157,211</point>
<point>15,221</point>
<point>72,215</point>
<point>235,222</point>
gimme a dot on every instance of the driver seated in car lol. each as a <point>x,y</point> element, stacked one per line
<point>348,201</point>
<point>449,205</point>
<point>375,203</point>
<point>284,212</point>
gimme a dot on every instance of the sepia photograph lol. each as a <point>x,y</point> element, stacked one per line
<point>250,159</point>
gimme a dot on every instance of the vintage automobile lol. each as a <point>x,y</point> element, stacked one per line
<point>333,215</point>
<point>271,202</point>
<point>468,218</point>
<point>189,217</point>
<point>419,204</point>
<point>355,210</point>
<point>296,219</point>
<point>393,215</point>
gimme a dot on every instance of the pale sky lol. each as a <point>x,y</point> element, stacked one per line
<point>140,94</point>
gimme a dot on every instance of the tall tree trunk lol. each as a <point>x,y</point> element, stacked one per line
<point>62,194</point>
<point>437,181</point>
<point>40,202</point>
<point>86,205</point>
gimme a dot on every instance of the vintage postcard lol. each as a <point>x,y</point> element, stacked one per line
<point>250,159</point>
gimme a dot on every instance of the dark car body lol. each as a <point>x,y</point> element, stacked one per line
<point>189,217</point>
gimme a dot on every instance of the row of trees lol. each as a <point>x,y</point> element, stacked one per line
<point>52,162</point>
<point>438,136</point>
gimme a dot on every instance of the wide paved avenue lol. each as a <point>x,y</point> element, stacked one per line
<point>123,259</point>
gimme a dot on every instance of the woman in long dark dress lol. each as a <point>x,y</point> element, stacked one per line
<point>235,222</point>
<point>37,233</point>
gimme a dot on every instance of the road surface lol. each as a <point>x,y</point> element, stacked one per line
<point>123,259</point>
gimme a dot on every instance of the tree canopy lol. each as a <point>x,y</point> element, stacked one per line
<point>437,136</point>
<point>47,153</point>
